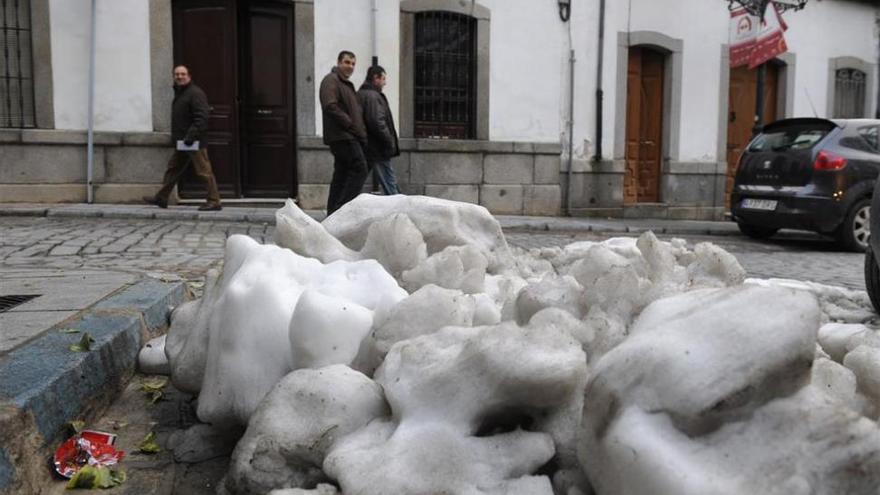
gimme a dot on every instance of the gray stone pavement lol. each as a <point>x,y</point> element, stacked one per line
<point>794,255</point>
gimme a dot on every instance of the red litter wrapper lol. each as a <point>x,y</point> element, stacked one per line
<point>87,447</point>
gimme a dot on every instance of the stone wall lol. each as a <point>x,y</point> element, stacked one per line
<point>49,166</point>
<point>688,191</point>
<point>510,178</point>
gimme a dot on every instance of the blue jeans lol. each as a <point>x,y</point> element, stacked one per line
<point>385,174</point>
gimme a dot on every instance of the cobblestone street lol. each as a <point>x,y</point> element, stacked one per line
<point>187,248</point>
<point>161,248</point>
<point>799,256</point>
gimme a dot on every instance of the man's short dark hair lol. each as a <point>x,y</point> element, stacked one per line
<point>374,71</point>
<point>182,65</point>
<point>343,54</point>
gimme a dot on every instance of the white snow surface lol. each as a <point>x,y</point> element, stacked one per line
<point>401,346</point>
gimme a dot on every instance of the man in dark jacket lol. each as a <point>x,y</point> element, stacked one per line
<point>344,132</point>
<point>382,144</point>
<point>189,120</point>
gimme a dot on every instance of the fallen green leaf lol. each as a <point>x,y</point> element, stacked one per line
<point>68,330</point>
<point>90,477</point>
<point>149,445</point>
<point>84,344</point>
<point>155,384</point>
<point>154,389</point>
<point>76,425</point>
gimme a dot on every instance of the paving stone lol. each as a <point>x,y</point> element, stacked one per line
<point>64,250</point>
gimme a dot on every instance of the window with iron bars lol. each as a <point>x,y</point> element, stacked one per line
<point>445,75</point>
<point>849,94</point>
<point>16,74</point>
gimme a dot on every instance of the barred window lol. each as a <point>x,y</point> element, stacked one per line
<point>849,94</point>
<point>16,76</point>
<point>445,75</point>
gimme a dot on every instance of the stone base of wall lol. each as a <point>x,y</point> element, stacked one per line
<point>658,211</point>
<point>688,191</point>
<point>507,178</point>
<point>48,166</point>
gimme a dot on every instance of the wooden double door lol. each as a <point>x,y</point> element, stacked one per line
<point>644,125</point>
<point>241,54</point>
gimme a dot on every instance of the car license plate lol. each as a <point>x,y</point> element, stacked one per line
<point>759,204</point>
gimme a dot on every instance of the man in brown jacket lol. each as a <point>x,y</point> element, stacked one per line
<point>189,120</point>
<point>344,132</point>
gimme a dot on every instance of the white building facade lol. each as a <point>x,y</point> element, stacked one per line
<point>488,96</point>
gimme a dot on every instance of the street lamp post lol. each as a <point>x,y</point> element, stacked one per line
<point>758,8</point>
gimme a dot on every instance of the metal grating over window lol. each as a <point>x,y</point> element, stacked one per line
<point>849,94</point>
<point>9,302</point>
<point>16,75</point>
<point>445,75</point>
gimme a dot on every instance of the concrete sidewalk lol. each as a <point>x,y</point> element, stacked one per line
<point>43,383</point>
<point>267,215</point>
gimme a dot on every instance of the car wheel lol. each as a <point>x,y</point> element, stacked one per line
<point>853,233</point>
<point>872,279</point>
<point>756,231</point>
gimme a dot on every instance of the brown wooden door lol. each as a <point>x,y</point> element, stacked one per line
<point>205,41</point>
<point>241,54</point>
<point>644,126</point>
<point>267,106</point>
<point>741,113</point>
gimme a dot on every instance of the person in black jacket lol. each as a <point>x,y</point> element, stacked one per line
<point>189,120</point>
<point>382,144</point>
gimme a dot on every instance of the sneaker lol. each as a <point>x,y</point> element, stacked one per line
<point>210,207</point>
<point>153,200</point>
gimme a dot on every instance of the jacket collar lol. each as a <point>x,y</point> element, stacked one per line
<point>335,72</point>
<point>181,89</point>
<point>366,85</point>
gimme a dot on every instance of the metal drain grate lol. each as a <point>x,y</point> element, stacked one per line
<point>9,302</point>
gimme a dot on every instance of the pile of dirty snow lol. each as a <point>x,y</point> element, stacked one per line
<point>401,346</point>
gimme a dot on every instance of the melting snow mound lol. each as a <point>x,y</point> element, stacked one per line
<point>401,346</point>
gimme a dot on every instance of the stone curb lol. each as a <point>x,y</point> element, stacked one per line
<point>44,385</point>
<point>264,215</point>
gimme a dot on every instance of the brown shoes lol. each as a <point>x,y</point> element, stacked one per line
<point>153,200</point>
<point>210,207</point>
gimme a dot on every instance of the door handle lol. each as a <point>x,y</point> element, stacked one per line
<point>264,112</point>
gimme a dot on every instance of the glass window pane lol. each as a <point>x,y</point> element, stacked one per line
<point>16,65</point>
<point>445,56</point>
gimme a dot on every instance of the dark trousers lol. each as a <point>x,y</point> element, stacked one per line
<point>177,165</point>
<point>349,173</point>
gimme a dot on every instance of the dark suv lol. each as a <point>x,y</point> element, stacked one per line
<point>811,174</point>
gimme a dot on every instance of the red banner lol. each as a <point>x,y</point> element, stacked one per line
<point>771,40</point>
<point>753,42</point>
<point>743,34</point>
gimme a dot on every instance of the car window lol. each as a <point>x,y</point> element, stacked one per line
<point>870,134</point>
<point>793,138</point>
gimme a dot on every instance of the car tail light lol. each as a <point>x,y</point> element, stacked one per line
<point>826,160</point>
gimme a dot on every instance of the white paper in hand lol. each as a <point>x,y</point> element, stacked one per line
<point>181,146</point>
